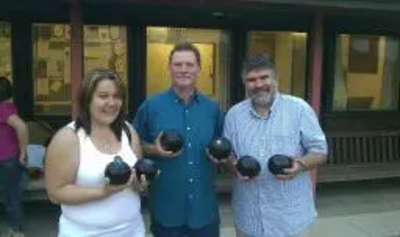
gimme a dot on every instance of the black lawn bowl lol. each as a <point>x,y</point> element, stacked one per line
<point>220,148</point>
<point>171,140</point>
<point>248,166</point>
<point>277,164</point>
<point>146,167</point>
<point>118,172</point>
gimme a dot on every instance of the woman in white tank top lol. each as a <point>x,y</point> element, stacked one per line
<point>77,158</point>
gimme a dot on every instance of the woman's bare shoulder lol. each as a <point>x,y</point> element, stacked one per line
<point>64,138</point>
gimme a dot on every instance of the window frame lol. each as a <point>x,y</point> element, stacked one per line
<point>351,25</point>
<point>380,109</point>
<point>352,121</point>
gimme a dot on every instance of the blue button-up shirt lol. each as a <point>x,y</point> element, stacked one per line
<point>184,193</point>
<point>265,206</point>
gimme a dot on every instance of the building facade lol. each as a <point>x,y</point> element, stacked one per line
<point>344,58</point>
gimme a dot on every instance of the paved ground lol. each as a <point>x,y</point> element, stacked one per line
<point>361,209</point>
<point>357,209</point>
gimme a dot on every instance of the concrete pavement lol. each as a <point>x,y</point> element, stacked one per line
<point>356,209</point>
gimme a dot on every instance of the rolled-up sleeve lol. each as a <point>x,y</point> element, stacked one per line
<point>313,138</point>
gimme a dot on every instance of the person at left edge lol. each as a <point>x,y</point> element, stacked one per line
<point>14,136</point>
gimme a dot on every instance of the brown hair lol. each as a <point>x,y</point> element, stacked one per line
<point>185,46</point>
<point>85,96</point>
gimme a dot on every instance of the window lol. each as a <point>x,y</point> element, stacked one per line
<point>51,69</point>
<point>105,46</point>
<point>213,46</point>
<point>5,50</point>
<point>289,50</point>
<point>366,73</point>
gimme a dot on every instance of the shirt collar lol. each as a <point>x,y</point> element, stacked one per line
<point>194,98</point>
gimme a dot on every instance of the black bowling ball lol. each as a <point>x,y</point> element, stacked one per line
<point>248,166</point>
<point>220,148</point>
<point>146,167</point>
<point>171,140</point>
<point>118,172</point>
<point>277,164</point>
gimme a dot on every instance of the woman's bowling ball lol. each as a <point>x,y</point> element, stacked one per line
<point>220,148</point>
<point>118,172</point>
<point>147,168</point>
<point>248,166</point>
<point>277,164</point>
<point>171,140</point>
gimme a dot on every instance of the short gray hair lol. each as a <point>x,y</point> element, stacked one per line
<point>258,61</point>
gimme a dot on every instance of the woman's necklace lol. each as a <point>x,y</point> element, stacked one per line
<point>106,146</point>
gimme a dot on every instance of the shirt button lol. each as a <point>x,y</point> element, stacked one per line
<point>186,111</point>
<point>190,162</point>
<point>191,180</point>
<point>189,145</point>
<point>188,128</point>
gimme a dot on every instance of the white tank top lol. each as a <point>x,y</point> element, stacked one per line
<point>115,216</point>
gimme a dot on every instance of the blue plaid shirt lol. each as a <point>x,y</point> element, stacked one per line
<point>184,193</point>
<point>265,206</point>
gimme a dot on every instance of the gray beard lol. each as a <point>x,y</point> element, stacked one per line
<point>262,100</point>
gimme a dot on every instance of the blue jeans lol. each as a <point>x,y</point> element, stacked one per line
<point>211,230</point>
<point>10,192</point>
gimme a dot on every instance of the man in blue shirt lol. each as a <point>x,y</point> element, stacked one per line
<point>183,201</point>
<point>266,124</point>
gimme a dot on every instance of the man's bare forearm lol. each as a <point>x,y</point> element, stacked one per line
<point>312,160</point>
